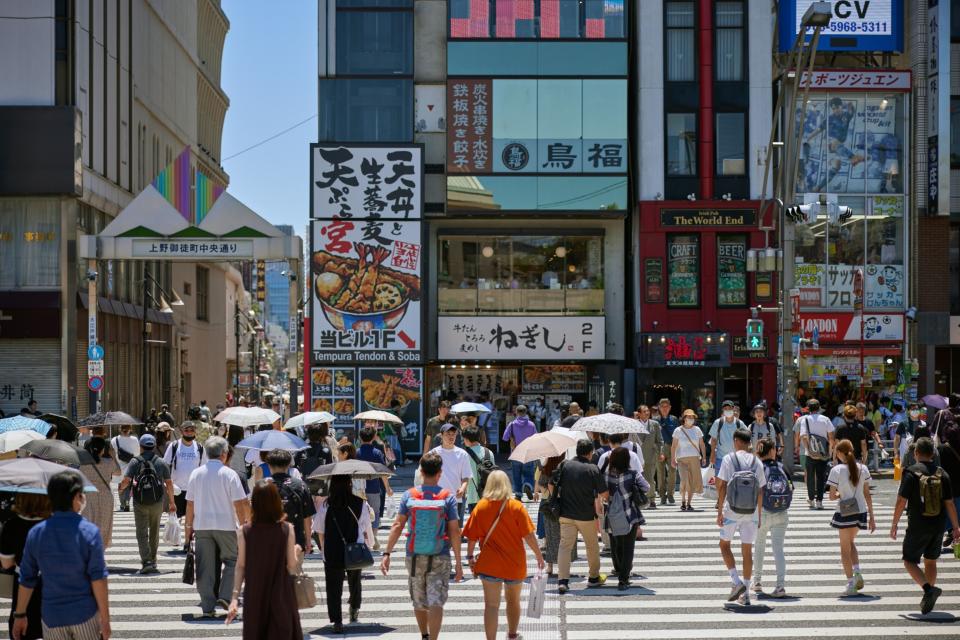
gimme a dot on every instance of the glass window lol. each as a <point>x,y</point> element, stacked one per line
<point>559,109</point>
<point>364,110</point>
<point>681,44</point>
<point>515,19</point>
<point>732,270</point>
<point>203,293</point>
<point>528,59</point>
<point>681,144</point>
<point>531,193</point>
<point>30,243</point>
<point>731,133</point>
<point>367,4</point>
<point>852,143</point>
<point>955,269</point>
<point>537,18</point>
<point>552,275</point>
<point>469,19</point>
<point>374,42</point>
<point>955,130</point>
<point>729,41</point>
<point>515,109</point>
<point>683,270</point>
<point>582,59</point>
<point>604,109</point>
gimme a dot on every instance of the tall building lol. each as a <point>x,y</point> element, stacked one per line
<point>97,98</point>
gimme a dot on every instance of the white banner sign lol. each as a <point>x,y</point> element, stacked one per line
<point>367,182</point>
<point>892,80</point>
<point>528,338</point>
<point>192,248</point>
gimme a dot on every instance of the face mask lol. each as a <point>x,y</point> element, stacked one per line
<point>688,421</point>
<point>187,438</point>
<point>914,414</point>
<point>728,414</point>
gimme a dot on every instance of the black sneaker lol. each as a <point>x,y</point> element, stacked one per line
<point>598,581</point>
<point>562,587</point>
<point>338,627</point>
<point>663,501</point>
<point>671,500</point>
<point>929,600</point>
<point>623,586</point>
<point>354,614</point>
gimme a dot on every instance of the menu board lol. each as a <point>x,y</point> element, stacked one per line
<point>562,378</point>
<point>731,271</point>
<point>334,390</point>
<point>653,280</point>
<point>683,271</point>
<point>399,391</point>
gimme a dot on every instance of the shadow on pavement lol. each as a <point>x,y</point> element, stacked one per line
<point>936,617</point>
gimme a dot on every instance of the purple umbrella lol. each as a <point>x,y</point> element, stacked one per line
<point>934,401</point>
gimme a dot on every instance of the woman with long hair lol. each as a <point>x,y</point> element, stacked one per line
<point>849,483</point>
<point>28,509</point>
<point>772,522</point>
<point>266,573</point>
<point>623,486</point>
<point>100,505</point>
<point>551,525</point>
<point>500,524</point>
<point>344,518</point>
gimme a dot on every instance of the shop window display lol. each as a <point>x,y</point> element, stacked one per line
<point>505,275</point>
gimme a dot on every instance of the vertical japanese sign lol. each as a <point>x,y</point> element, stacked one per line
<point>334,390</point>
<point>366,256</point>
<point>470,110</point>
<point>261,280</point>
<point>683,271</point>
<point>399,391</point>
<point>938,107</point>
<point>731,271</point>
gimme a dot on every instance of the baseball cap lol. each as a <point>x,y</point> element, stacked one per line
<point>727,403</point>
<point>447,426</point>
<point>189,424</point>
<point>760,407</point>
<point>147,441</point>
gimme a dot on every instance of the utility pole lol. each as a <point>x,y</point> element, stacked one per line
<point>236,352</point>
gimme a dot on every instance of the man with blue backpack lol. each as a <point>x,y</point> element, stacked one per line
<point>777,496</point>
<point>740,492</point>
<point>434,531</point>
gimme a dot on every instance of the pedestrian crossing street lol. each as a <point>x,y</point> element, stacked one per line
<point>680,591</point>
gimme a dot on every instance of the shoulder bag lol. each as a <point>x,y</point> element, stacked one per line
<point>692,443</point>
<point>356,555</point>
<point>503,505</point>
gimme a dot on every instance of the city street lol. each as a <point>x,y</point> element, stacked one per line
<point>680,593</point>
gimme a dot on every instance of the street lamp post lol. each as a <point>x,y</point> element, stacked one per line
<point>164,308</point>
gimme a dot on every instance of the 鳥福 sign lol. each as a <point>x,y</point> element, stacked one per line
<point>359,181</point>
<point>366,291</point>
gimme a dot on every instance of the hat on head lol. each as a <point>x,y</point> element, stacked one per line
<point>727,403</point>
<point>447,426</point>
<point>147,441</point>
<point>164,426</point>
<point>189,424</point>
<point>760,407</point>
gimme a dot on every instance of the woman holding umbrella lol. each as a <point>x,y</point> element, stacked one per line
<point>29,509</point>
<point>100,505</point>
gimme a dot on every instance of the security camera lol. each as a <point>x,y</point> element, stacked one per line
<point>91,275</point>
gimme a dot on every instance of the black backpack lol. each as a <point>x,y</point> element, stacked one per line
<point>485,467</point>
<point>316,456</point>
<point>147,485</point>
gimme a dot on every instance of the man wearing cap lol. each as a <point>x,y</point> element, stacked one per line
<point>721,433</point>
<point>666,474</point>
<point>456,471</point>
<point>763,427</point>
<point>183,457</point>
<point>814,424</point>
<point>146,517</point>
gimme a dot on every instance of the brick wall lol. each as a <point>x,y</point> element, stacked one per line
<point>933,268</point>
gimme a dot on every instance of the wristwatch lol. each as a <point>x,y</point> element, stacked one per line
<point>385,553</point>
<point>19,616</point>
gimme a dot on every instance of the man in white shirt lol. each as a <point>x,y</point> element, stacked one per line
<point>183,457</point>
<point>125,447</point>
<point>456,471</point>
<point>730,522</point>
<point>618,440</point>
<point>721,434</point>
<point>216,503</point>
<point>816,426</point>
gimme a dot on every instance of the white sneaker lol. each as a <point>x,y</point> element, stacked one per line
<point>810,502</point>
<point>736,591</point>
<point>819,505</point>
<point>779,592</point>
<point>757,587</point>
<point>744,599</point>
<point>857,580</point>
<point>851,590</point>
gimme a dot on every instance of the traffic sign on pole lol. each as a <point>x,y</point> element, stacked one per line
<point>95,383</point>
<point>95,352</point>
<point>94,368</point>
<point>755,335</point>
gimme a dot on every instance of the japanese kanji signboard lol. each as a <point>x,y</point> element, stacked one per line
<point>193,248</point>
<point>358,181</point>
<point>832,286</point>
<point>366,291</point>
<point>528,338</point>
<point>859,79</point>
<point>685,350</point>
<point>469,134</point>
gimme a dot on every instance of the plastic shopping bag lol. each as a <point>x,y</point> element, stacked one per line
<point>538,590</point>
<point>390,508</point>
<point>172,533</point>
<point>708,475</point>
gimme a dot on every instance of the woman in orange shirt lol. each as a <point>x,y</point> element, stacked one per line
<point>501,525</point>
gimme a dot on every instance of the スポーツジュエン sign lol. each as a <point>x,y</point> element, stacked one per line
<point>528,338</point>
<point>855,25</point>
<point>366,291</point>
<point>359,181</point>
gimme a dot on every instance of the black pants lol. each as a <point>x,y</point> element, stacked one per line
<point>816,478</point>
<point>333,577</point>
<point>180,501</point>
<point>621,552</point>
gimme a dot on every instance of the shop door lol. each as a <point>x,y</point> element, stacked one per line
<point>674,393</point>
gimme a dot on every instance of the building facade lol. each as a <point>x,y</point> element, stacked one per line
<point>89,118</point>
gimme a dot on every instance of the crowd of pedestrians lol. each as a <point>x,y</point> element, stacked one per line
<point>248,540</point>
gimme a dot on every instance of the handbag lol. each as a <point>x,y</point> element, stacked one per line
<point>356,555</point>
<point>305,589</point>
<point>493,527</point>
<point>189,566</point>
<point>848,507</point>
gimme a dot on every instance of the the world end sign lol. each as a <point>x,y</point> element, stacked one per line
<point>707,217</point>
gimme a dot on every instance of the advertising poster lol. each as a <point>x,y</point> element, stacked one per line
<point>512,338</point>
<point>883,286</point>
<point>367,181</point>
<point>334,390</point>
<point>399,391</point>
<point>849,144</point>
<point>366,291</point>
<point>683,271</point>
<point>555,378</point>
<point>732,272</point>
<point>467,382</point>
<point>469,136</point>
<point>831,286</point>
<point>653,280</point>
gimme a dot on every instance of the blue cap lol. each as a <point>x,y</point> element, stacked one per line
<point>147,441</point>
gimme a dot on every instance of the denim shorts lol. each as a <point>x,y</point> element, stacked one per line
<point>487,578</point>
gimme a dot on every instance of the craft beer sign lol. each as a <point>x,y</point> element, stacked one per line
<point>856,25</point>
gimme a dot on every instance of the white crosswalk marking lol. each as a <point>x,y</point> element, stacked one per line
<point>680,594</point>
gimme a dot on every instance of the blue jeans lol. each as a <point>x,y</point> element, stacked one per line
<point>522,475</point>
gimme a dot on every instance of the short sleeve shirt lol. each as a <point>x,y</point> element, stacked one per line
<point>818,425</point>
<point>163,471</point>
<point>370,453</point>
<point>429,493</point>
<point>723,431</point>
<point>456,468</point>
<point>745,461</point>
<point>688,442</point>
<point>636,464</point>
<point>502,554</point>
<point>910,490</point>
<point>856,433</point>
<point>580,482</point>
<point>213,489</point>
<point>297,503</point>
<point>839,478</point>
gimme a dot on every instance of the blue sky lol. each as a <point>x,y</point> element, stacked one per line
<point>270,76</point>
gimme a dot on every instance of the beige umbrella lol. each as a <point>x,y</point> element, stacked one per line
<point>543,445</point>
<point>379,416</point>
<point>13,440</point>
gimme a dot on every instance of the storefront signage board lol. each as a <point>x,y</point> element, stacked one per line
<point>856,25</point>
<point>684,350</point>
<point>707,217</point>
<point>845,327</point>
<point>526,338</point>
<point>561,378</point>
<point>738,349</point>
<point>380,387</point>
<point>832,286</point>
<point>857,79</point>
<point>334,390</point>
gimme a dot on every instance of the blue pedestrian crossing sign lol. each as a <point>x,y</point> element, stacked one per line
<point>755,335</point>
<point>94,352</point>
